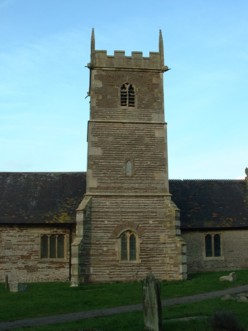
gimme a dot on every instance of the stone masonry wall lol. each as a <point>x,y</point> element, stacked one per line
<point>160,247</point>
<point>234,245</point>
<point>111,145</point>
<point>105,96</point>
<point>136,60</point>
<point>20,255</point>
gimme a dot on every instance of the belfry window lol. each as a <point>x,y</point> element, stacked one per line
<point>128,246</point>
<point>127,95</point>
<point>53,246</point>
<point>213,245</point>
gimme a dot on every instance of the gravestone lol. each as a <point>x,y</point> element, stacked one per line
<point>17,287</point>
<point>152,304</point>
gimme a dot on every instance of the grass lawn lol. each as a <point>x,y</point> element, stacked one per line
<point>173,319</point>
<point>42,299</point>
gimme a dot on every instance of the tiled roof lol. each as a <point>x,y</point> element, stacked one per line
<point>211,203</point>
<point>40,197</point>
<point>33,198</point>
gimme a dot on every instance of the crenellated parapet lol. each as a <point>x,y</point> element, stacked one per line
<point>100,58</point>
<point>120,60</point>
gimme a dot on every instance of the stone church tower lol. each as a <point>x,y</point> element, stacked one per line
<point>127,224</point>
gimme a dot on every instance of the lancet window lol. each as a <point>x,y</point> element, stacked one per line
<point>128,246</point>
<point>127,94</point>
<point>212,245</point>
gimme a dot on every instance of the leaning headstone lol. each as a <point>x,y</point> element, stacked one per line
<point>13,286</point>
<point>152,304</point>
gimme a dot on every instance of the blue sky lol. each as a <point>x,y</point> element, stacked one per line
<point>45,46</point>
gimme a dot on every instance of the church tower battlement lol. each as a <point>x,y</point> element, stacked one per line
<point>100,58</point>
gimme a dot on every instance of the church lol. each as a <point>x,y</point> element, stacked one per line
<point>122,218</point>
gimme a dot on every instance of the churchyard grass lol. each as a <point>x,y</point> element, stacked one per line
<point>42,299</point>
<point>174,318</point>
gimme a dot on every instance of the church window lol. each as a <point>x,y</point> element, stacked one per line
<point>44,246</point>
<point>208,245</point>
<point>53,246</point>
<point>124,247</point>
<point>217,248</point>
<point>132,243</point>
<point>128,246</point>
<point>127,95</point>
<point>131,96</point>
<point>124,95</point>
<point>212,245</point>
<point>129,168</point>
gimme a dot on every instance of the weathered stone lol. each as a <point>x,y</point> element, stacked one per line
<point>242,298</point>
<point>242,295</point>
<point>13,287</point>
<point>152,304</point>
<point>229,278</point>
<point>17,287</point>
<point>227,297</point>
<point>23,261</point>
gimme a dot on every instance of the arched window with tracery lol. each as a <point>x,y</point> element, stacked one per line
<point>128,246</point>
<point>213,245</point>
<point>127,95</point>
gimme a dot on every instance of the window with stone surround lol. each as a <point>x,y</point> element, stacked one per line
<point>53,246</point>
<point>129,168</point>
<point>213,245</point>
<point>127,95</point>
<point>128,246</point>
